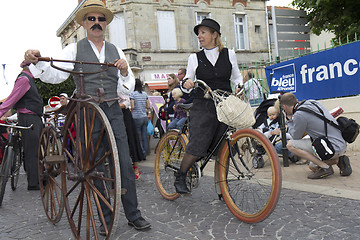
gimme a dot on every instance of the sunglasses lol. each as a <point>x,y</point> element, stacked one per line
<point>93,19</point>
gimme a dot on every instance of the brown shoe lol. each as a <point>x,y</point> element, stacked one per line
<point>344,165</point>
<point>321,173</point>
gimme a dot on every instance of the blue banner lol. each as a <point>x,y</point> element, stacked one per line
<point>327,74</point>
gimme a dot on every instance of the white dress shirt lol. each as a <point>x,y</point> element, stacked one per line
<point>48,74</point>
<point>212,55</point>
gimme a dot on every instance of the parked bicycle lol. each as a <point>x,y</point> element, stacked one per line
<point>250,193</point>
<point>13,158</point>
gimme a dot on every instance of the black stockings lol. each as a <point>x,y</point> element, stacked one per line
<point>187,161</point>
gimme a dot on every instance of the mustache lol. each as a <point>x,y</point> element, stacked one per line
<point>96,26</point>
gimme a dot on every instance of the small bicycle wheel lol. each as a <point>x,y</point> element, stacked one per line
<point>169,154</point>
<point>250,193</point>
<point>15,168</point>
<point>5,170</point>
<point>92,181</point>
<point>50,167</point>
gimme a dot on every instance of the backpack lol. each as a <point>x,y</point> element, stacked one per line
<point>348,127</point>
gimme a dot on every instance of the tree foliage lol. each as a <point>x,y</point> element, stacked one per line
<point>341,17</point>
<point>47,90</point>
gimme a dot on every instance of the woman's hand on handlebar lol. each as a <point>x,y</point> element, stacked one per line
<point>31,55</point>
<point>188,84</point>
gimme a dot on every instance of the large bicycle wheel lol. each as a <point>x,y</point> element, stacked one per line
<point>250,193</point>
<point>5,170</point>
<point>51,165</point>
<point>91,183</point>
<point>169,154</point>
<point>16,165</point>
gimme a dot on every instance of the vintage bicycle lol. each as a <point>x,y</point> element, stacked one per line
<point>51,166</point>
<point>251,194</point>
<point>12,159</point>
<point>80,172</point>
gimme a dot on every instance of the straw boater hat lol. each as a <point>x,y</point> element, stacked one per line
<point>91,6</point>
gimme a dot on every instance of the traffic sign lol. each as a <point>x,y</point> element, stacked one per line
<point>54,101</point>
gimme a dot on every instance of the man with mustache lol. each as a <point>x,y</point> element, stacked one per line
<point>94,17</point>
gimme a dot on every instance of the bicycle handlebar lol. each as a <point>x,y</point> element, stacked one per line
<point>48,59</point>
<point>51,60</point>
<point>197,81</point>
<point>208,89</point>
<point>16,126</point>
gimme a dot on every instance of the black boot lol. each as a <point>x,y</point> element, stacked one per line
<point>180,183</point>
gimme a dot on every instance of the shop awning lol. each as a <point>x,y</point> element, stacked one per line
<point>157,85</point>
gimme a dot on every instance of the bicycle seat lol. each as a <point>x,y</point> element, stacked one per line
<point>185,106</point>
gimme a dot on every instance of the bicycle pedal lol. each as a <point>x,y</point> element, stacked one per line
<point>53,159</point>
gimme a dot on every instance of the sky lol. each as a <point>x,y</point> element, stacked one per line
<point>283,3</point>
<point>33,25</point>
<point>29,25</point>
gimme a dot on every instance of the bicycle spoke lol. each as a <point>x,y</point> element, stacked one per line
<point>92,185</point>
<point>250,193</point>
<point>170,152</point>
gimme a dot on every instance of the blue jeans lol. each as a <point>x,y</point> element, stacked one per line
<point>141,128</point>
<point>278,148</point>
<point>177,123</point>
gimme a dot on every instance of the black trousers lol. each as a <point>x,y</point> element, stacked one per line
<point>30,141</point>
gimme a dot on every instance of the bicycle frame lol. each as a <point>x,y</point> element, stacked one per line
<point>12,148</point>
<point>250,189</point>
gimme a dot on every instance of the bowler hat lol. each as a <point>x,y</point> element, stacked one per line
<point>93,6</point>
<point>208,22</point>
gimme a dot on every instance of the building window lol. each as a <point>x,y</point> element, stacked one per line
<point>117,31</point>
<point>167,32</point>
<point>241,33</point>
<point>200,16</point>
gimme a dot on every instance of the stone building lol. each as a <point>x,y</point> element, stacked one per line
<point>157,35</point>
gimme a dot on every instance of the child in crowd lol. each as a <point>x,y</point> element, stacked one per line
<point>179,116</point>
<point>271,123</point>
<point>271,130</point>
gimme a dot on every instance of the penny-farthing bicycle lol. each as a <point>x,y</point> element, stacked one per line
<point>83,173</point>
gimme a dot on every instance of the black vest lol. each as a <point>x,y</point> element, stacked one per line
<point>218,76</point>
<point>31,100</point>
<point>107,80</point>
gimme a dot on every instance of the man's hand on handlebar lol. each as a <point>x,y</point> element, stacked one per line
<point>121,64</point>
<point>31,55</point>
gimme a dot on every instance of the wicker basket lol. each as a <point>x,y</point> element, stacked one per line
<point>233,111</point>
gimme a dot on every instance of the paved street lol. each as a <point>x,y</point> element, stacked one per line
<point>299,215</point>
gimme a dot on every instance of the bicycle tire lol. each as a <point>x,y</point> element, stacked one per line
<point>91,182</point>
<point>15,168</point>
<point>50,178</point>
<point>250,194</point>
<point>5,171</point>
<point>167,162</point>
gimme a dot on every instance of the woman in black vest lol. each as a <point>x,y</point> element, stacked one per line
<point>215,65</point>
